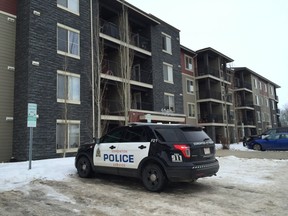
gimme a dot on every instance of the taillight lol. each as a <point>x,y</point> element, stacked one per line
<point>185,149</point>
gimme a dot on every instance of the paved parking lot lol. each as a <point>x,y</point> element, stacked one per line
<point>253,154</point>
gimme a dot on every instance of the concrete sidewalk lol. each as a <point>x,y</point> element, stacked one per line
<point>253,154</point>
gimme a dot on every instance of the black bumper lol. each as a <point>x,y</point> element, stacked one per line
<point>190,173</point>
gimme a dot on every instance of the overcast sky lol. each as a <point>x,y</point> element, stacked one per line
<point>252,32</point>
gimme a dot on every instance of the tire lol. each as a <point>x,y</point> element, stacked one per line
<point>257,147</point>
<point>84,167</point>
<point>153,177</point>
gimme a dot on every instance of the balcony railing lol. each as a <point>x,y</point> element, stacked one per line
<point>209,95</point>
<point>209,71</point>
<point>246,122</point>
<point>141,105</point>
<point>113,30</point>
<point>246,85</point>
<point>213,118</point>
<point>113,68</point>
<point>245,104</point>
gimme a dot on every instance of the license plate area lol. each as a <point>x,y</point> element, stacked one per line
<point>207,151</point>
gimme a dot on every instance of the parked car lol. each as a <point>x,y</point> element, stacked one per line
<point>155,153</point>
<point>274,141</point>
<point>264,134</point>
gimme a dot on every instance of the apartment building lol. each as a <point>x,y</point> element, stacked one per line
<point>215,103</point>
<point>7,70</point>
<point>255,102</point>
<point>89,66</point>
<point>188,69</point>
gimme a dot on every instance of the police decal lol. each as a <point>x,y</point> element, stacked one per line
<point>176,157</point>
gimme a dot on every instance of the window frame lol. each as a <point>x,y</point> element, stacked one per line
<point>68,53</point>
<point>185,62</point>
<point>68,100</point>
<point>68,8</point>
<point>169,95</point>
<point>170,73</point>
<point>68,123</point>
<point>192,110</point>
<point>188,86</point>
<point>167,45</point>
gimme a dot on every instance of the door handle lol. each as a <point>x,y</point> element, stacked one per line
<point>142,147</point>
<point>112,147</point>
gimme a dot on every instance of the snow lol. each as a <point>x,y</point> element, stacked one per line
<point>16,175</point>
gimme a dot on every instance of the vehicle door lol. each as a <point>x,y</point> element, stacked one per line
<point>105,154</point>
<point>133,148</point>
<point>271,142</point>
<point>283,142</point>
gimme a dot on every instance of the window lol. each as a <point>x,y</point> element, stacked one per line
<point>260,85</point>
<point>68,87</point>
<point>67,135</point>
<point>168,72</point>
<point>191,110</point>
<point>255,83</point>
<point>70,5</point>
<point>257,100</point>
<point>166,43</point>
<point>258,116</point>
<point>169,102</point>
<point>188,63</point>
<point>136,134</point>
<point>265,87</point>
<point>115,135</point>
<point>272,90</point>
<point>68,41</point>
<point>190,87</point>
<point>273,105</point>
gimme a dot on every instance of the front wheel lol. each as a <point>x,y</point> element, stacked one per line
<point>257,147</point>
<point>84,167</point>
<point>153,178</point>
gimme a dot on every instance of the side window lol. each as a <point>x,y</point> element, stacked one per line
<point>114,136</point>
<point>136,134</point>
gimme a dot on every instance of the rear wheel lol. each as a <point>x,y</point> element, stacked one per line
<point>84,167</point>
<point>257,147</point>
<point>153,177</point>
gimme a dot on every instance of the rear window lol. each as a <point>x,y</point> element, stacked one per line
<point>185,134</point>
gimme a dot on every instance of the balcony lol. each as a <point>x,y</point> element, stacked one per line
<point>113,30</point>
<point>112,68</point>
<point>245,85</point>
<point>245,104</point>
<point>209,71</point>
<point>210,119</point>
<point>141,105</point>
<point>246,122</point>
<point>209,95</point>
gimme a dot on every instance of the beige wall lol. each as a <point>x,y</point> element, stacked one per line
<point>7,51</point>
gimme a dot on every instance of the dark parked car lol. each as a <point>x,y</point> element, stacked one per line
<point>275,141</point>
<point>264,134</point>
<point>155,153</point>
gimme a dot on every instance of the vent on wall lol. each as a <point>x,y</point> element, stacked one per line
<point>11,68</point>
<point>11,19</point>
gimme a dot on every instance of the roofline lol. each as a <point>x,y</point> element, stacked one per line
<point>138,10</point>
<point>256,74</point>
<point>187,49</point>
<point>215,51</point>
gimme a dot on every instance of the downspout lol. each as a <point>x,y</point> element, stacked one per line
<point>92,68</point>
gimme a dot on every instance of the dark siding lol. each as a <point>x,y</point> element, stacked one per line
<point>38,84</point>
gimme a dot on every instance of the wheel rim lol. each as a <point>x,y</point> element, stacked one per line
<point>83,167</point>
<point>153,178</point>
<point>257,147</point>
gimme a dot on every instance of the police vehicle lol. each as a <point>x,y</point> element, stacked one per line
<point>155,153</point>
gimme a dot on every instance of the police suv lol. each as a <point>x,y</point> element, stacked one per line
<point>156,153</point>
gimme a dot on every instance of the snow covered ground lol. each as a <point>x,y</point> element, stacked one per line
<point>240,182</point>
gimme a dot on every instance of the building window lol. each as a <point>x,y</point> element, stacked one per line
<point>258,116</point>
<point>190,87</point>
<point>67,135</point>
<point>273,105</point>
<point>255,83</point>
<point>70,5</point>
<point>257,100</point>
<point>260,85</point>
<point>68,87</point>
<point>68,41</point>
<point>166,43</point>
<point>272,90</point>
<point>265,87</point>
<point>168,72</point>
<point>188,63</point>
<point>267,102</point>
<point>191,110</point>
<point>169,102</point>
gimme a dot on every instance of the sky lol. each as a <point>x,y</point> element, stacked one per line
<point>254,33</point>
